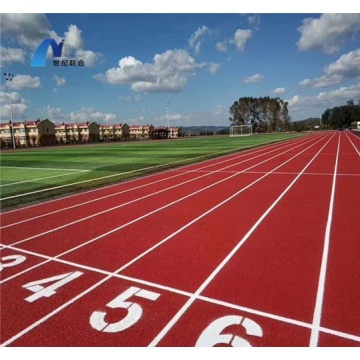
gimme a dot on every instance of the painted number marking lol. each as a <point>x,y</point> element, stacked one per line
<point>17,259</point>
<point>212,334</point>
<point>97,319</point>
<point>40,291</point>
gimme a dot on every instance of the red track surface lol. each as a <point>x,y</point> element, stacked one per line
<point>257,248</point>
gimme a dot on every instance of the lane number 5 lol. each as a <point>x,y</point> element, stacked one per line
<point>97,319</point>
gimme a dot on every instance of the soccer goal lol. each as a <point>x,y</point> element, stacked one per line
<point>240,130</point>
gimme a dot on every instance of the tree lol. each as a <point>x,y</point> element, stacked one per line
<point>285,117</point>
<point>262,113</point>
<point>341,116</point>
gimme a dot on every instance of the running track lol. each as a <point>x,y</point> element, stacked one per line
<point>259,248</point>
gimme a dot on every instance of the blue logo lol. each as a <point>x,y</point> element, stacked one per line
<point>39,58</point>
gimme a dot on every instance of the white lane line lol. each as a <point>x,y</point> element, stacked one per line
<point>119,174</point>
<point>163,190</point>
<point>54,312</point>
<point>261,147</point>
<point>213,162</point>
<point>166,206</point>
<point>43,178</point>
<point>36,168</point>
<point>358,152</point>
<point>275,173</point>
<point>155,182</point>
<point>131,222</point>
<point>321,284</point>
<point>354,136</point>
<point>181,292</point>
<point>202,287</point>
<point>49,259</point>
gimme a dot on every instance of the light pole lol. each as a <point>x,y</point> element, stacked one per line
<point>8,78</point>
<point>167,116</point>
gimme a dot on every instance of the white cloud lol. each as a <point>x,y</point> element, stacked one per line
<point>254,19</point>
<point>73,38</point>
<point>90,114</point>
<point>20,82</point>
<point>60,81</point>
<point>346,67</point>
<point>82,115</point>
<point>168,72</point>
<point>221,46</point>
<point>329,32</point>
<point>130,99</point>
<point>11,55</point>
<point>172,118</point>
<point>316,105</point>
<point>194,40</point>
<point>240,38</point>
<point>214,68</point>
<point>89,57</point>
<point>18,106</point>
<point>55,114</point>
<point>279,90</point>
<point>4,98</point>
<point>220,110</point>
<point>253,78</point>
<point>30,30</point>
<point>27,29</point>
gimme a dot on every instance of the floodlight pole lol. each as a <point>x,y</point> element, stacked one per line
<point>8,78</point>
<point>167,116</point>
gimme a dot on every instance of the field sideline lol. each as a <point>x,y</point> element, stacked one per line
<point>29,175</point>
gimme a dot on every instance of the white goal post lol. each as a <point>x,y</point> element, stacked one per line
<point>240,130</point>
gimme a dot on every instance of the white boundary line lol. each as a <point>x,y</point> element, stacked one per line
<point>131,172</point>
<point>321,285</point>
<point>242,153</point>
<point>275,173</point>
<point>176,291</point>
<point>194,296</point>
<point>358,152</point>
<point>43,178</point>
<point>163,179</point>
<point>202,287</point>
<point>351,133</point>
<point>160,191</point>
<point>16,243</point>
<point>35,168</point>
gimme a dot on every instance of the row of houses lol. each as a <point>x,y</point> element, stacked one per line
<point>45,132</point>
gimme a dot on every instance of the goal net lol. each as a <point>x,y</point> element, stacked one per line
<point>240,130</point>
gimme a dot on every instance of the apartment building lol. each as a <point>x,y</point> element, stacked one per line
<point>88,132</point>
<point>174,132</point>
<point>114,132</point>
<point>77,132</point>
<point>61,134</point>
<point>28,133</point>
<point>45,132</point>
<point>121,131</point>
<point>140,131</point>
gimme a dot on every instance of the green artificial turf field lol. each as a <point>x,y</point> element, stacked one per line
<point>29,175</point>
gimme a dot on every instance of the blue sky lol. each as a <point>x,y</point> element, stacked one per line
<point>199,62</point>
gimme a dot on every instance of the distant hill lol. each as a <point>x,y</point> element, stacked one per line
<point>311,121</point>
<point>198,130</point>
